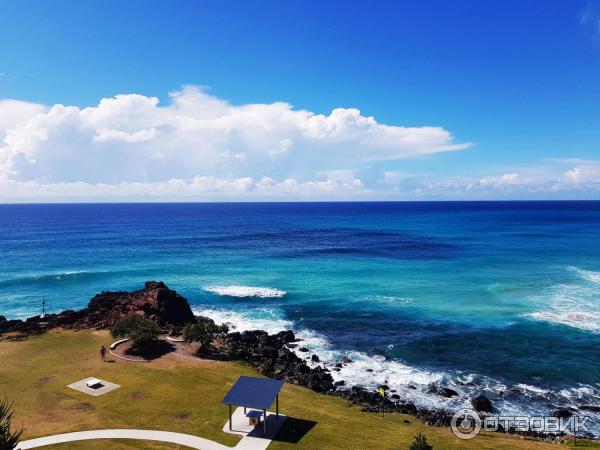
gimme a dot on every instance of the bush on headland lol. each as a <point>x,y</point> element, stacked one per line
<point>420,443</point>
<point>205,331</point>
<point>143,332</point>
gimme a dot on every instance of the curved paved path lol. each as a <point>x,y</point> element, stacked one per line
<point>251,439</point>
<point>148,435</point>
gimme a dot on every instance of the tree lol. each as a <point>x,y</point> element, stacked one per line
<point>420,443</point>
<point>143,332</point>
<point>204,331</point>
<point>8,438</point>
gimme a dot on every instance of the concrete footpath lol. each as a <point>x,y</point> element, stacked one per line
<point>252,439</point>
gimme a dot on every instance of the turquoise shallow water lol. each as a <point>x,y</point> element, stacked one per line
<point>501,297</point>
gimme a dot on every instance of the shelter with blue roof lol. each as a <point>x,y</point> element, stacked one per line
<point>256,393</point>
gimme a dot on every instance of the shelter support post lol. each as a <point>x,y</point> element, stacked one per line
<point>265,422</point>
<point>277,406</point>
<point>230,428</point>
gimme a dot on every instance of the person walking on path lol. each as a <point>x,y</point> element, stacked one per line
<point>103,353</point>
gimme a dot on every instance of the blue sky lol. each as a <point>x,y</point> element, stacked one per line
<point>515,85</point>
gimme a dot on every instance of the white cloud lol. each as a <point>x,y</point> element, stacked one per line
<point>584,174</point>
<point>581,180</point>
<point>131,138</point>
<point>199,147</point>
<point>14,113</point>
<point>395,177</point>
<point>508,179</point>
<point>198,188</point>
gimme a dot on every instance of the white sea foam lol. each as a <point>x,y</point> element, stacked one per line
<point>235,290</point>
<point>364,370</point>
<point>587,274</point>
<point>266,319</point>
<point>573,305</point>
<point>69,273</point>
<point>411,383</point>
<point>532,389</point>
<point>585,321</point>
<point>389,300</point>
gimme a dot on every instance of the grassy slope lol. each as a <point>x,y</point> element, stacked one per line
<point>184,396</point>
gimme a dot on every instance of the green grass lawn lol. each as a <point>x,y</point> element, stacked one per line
<point>173,394</point>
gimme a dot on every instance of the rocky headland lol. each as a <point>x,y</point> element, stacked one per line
<point>272,355</point>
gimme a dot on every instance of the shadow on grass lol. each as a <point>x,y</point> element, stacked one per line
<point>294,429</point>
<point>211,352</point>
<point>215,353</point>
<point>155,351</point>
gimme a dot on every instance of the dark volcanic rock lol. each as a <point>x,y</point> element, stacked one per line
<point>447,392</point>
<point>272,357</point>
<point>315,359</point>
<point>593,408</point>
<point>443,391</point>
<point>563,413</point>
<point>155,301</point>
<point>437,418</point>
<point>481,403</point>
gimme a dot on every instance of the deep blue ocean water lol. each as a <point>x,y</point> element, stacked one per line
<point>501,297</point>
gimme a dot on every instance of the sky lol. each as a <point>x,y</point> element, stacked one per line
<point>299,100</point>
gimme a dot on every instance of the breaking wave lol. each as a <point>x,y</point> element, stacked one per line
<point>50,277</point>
<point>575,304</point>
<point>266,319</point>
<point>587,274</point>
<point>410,383</point>
<point>245,291</point>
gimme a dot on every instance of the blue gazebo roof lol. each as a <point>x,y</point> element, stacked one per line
<point>253,392</point>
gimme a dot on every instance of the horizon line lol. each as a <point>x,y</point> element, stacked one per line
<point>300,201</point>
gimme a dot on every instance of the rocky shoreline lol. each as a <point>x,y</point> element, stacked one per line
<point>272,355</point>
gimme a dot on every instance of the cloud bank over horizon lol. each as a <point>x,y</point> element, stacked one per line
<point>200,147</point>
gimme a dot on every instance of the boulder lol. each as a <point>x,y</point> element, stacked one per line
<point>442,391</point>
<point>563,413</point>
<point>447,392</point>
<point>481,403</point>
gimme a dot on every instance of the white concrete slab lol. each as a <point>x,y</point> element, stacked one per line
<point>254,439</point>
<point>102,388</point>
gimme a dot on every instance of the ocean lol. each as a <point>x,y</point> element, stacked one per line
<point>495,297</point>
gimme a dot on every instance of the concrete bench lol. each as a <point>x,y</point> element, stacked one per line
<point>115,344</point>
<point>254,417</point>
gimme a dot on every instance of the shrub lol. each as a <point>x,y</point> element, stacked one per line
<point>420,443</point>
<point>204,331</point>
<point>8,438</point>
<point>143,332</point>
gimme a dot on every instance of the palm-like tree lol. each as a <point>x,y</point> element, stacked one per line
<point>8,439</point>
